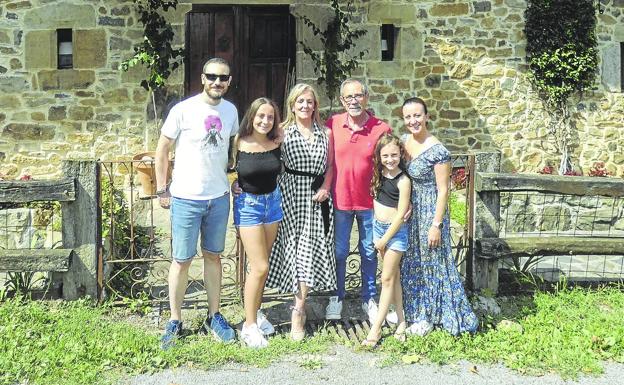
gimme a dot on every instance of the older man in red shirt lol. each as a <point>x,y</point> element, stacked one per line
<point>355,133</point>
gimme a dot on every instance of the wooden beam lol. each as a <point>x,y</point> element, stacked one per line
<point>494,248</point>
<point>35,260</point>
<point>573,185</point>
<point>22,191</point>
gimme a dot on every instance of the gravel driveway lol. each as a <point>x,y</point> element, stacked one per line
<point>344,366</point>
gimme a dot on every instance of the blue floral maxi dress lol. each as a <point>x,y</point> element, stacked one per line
<point>432,288</point>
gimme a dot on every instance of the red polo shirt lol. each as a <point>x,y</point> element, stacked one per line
<point>353,161</point>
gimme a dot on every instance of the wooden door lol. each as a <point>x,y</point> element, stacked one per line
<point>258,42</point>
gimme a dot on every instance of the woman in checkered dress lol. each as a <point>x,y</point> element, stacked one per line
<point>303,258</point>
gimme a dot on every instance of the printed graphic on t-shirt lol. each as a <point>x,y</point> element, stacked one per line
<point>213,127</point>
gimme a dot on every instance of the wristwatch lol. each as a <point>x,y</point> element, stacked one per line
<point>439,225</point>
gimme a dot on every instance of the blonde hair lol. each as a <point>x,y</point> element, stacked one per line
<point>294,93</point>
<point>384,140</point>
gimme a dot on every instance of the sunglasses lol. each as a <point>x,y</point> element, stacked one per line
<point>214,77</point>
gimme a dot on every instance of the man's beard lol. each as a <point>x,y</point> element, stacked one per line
<point>216,93</point>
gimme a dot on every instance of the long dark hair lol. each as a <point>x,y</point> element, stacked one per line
<point>384,140</point>
<point>246,125</point>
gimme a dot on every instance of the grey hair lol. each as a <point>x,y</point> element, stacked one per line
<point>353,80</point>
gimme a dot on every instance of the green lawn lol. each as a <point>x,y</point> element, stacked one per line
<point>568,332</point>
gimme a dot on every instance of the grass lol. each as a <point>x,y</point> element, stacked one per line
<point>568,332</point>
<point>457,208</point>
<point>77,343</point>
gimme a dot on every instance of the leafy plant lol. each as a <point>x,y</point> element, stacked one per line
<point>155,51</point>
<point>334,65</point>
<point>22,283</point>
<point>563,60</point>
<point>459,178</point>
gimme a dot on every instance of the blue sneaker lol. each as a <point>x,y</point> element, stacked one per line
<point>172,332</point>
<point>219,328</point>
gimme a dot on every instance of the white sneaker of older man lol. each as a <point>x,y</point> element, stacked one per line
<point>333,311</point>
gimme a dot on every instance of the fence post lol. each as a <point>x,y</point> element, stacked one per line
<point>80,230</point>
<point>486,224</point>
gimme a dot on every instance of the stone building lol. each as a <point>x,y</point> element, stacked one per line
<point>465,57</point>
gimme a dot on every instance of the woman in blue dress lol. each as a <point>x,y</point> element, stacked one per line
<point>433,293</point>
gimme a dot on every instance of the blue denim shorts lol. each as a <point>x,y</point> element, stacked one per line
<point>189,218</point>
<point>258,209</point>
<point>398,242</point>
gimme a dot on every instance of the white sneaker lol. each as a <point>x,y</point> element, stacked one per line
<point>333,311</point>
<point>370,308</point>
<point>420,328</point>
<point>263,323</point>
<point>252,337</point>
<point>392,318</point>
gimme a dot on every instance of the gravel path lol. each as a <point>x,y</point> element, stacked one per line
<point>343,366</point>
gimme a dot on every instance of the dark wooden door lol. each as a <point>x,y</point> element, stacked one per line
<point>259,43</point>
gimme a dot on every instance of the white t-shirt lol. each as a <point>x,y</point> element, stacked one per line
<point>202,133</point>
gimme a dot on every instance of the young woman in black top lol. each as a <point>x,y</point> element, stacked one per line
<point>391,189</point>
<point>257,210</point>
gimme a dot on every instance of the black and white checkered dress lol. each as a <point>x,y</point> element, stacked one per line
<point>302,250</point>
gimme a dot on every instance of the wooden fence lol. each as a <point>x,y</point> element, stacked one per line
<point>489,247</point>
<point>75,264</point>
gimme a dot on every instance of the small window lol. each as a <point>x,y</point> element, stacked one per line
<point>65,48</point>
<point>388,40</point>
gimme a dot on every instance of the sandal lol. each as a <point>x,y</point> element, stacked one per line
<point>370,344</point>
<point>399,333</point>
<point>297,335</point>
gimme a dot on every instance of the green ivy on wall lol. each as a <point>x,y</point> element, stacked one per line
<point>563,59</point>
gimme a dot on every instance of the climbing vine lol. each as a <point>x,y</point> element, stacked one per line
<point>334,65</point>
<point>563,60</point>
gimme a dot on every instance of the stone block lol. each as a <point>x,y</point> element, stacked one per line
<point>460,9</point>
<point>369,42</point>
<point>9,102</point>
<point>111,21</point>
<point>15,64</point>
<point>381,13</point>
<point>482,6</point>
<point>410,44</point>
<point>390,70</point>
<point>27,131</point>
<point>611,74</point>
<point>40,49</point>
<point>460,71</point>
<point>80,113</point>
<point>90,48</point>
<point>118,96</point>
<point>13,84</point>
<point>119,44</point>
<point>57,113</point>
<point>60,15</point>
<point>4,37</point>
<point>65,79</point>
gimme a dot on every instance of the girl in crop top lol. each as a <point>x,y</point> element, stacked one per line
<point>391,189</point>
<point>257,210</point>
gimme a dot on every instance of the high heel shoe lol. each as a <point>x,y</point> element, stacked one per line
<point>371,343</point>
<point>297,335</point>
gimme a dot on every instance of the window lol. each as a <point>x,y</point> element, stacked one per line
<point>65,48</point>
<point>388,41</point>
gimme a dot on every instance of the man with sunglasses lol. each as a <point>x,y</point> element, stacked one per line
<point>201,128</point>
<point>355,133</point>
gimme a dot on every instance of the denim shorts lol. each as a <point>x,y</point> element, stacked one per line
<point>189,218</point>
<point>258,209</point>
<point>398,242</point>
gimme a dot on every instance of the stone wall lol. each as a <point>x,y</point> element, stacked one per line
<point>94,110</point>
<point>466,58</point>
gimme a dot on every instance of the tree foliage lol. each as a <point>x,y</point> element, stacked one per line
<point>155,51</point>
